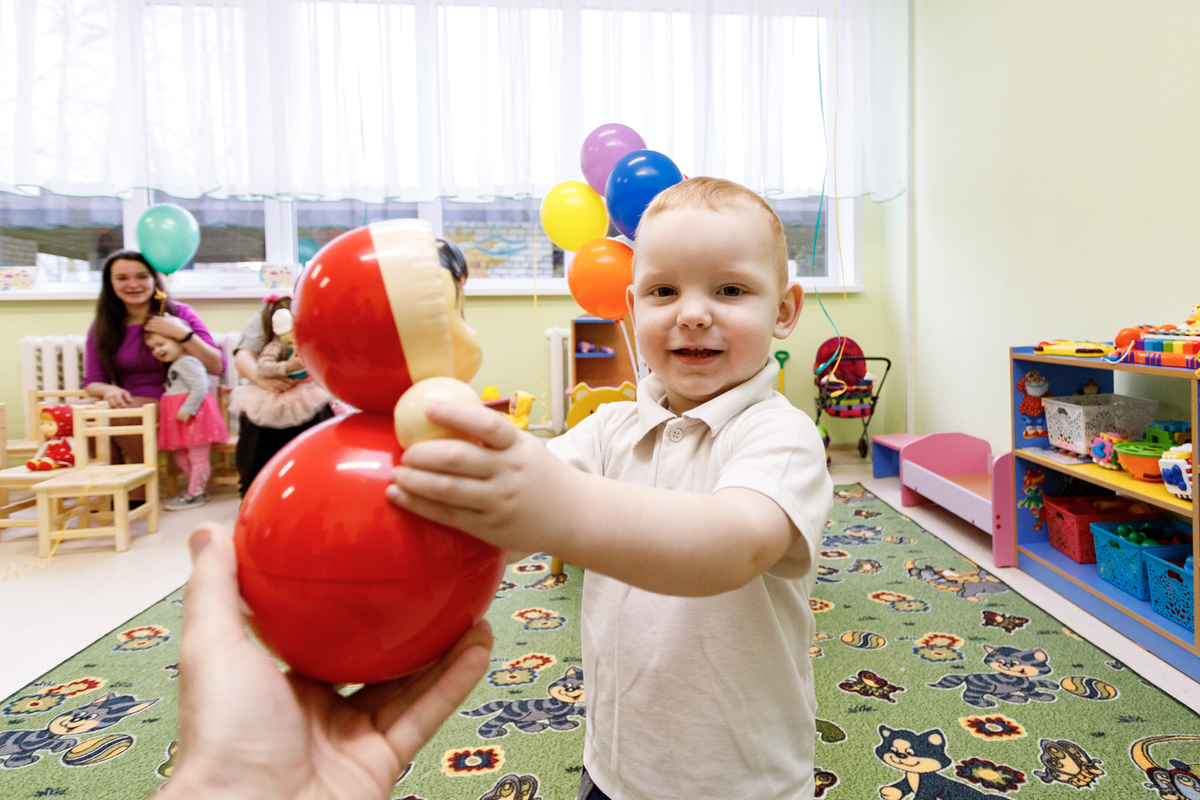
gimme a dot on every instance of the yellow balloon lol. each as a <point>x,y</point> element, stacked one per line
<point>572,214</point>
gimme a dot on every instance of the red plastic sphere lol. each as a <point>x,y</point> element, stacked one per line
<point>346,587</point>
<point>344,327</point>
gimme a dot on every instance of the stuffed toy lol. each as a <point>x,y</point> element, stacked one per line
<point>58,450</point>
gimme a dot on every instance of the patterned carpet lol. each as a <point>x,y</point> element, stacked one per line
<point>934,681</point>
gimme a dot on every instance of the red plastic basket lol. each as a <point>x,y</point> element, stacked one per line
<point>1069,520</point>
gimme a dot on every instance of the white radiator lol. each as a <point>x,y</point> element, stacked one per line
<point>56,362</point>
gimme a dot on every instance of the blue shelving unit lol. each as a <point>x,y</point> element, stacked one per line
<point>1081,583</point>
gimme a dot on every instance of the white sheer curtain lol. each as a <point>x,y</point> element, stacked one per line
<point>417,99</point>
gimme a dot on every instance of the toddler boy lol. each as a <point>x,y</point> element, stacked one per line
<point>696,512</point>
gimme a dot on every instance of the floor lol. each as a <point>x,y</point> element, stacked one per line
<point>51,610</point>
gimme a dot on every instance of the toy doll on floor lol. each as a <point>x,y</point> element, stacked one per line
<point>57,451</point>
<point>279,359</point>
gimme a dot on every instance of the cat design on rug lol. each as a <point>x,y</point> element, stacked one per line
<point>19,748</point>
<point>1015,678</point>
<point>535,715</point>
<point>920,757</point>
<point>854,535</point>
<point>971,583</point>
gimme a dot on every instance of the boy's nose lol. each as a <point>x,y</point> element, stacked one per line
<point>693,313</point>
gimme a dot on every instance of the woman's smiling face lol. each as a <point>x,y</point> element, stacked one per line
<point>132,282</point>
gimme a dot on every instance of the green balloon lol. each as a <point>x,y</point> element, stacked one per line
<point>168,236</point>
<point>306,248</point>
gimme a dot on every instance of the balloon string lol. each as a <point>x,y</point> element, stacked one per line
<point>637,373</point>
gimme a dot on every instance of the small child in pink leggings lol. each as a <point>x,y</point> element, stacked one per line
<point>188,420</point>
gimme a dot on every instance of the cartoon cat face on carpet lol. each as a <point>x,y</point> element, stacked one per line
<point>912,752</point>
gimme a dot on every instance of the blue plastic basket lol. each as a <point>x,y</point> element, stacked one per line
<point>1171,593</point>
<point>1120,562</point>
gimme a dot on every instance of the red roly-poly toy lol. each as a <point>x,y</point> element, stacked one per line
<point>346,587</point>
<point>343,585</point>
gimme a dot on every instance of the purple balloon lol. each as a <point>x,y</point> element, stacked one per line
<point>602,149</point>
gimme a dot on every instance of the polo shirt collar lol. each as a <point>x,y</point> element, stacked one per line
<point>716,413</point>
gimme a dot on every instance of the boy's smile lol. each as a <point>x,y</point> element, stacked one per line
<point>706,300</point>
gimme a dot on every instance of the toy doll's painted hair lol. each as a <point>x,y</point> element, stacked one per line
<point>718,194</point>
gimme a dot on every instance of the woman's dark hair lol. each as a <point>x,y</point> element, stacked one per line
<point>268,311</point>
<point>453,260</point>
<point>109,330</point>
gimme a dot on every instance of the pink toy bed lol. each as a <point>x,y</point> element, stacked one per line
<point>960,474</point>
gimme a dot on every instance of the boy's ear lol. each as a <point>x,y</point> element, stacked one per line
<point>629,302</point>
<point>789,309</point>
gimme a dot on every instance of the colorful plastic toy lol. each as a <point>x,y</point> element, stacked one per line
<point>1103,450</point>
<point>585,400</point>
<point>343,585</point>
<point>1140,459</point>
<point>1175,466</point>
<point>1060,347</point>
<point>519,407</point>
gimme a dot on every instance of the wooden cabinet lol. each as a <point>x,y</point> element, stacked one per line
<point>598,368</point>
<point>1036,475</point>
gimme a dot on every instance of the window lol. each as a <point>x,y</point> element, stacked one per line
<point>505,247</point>
<point>48,238</point>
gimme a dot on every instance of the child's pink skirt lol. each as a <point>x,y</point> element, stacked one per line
<point>205,427</point>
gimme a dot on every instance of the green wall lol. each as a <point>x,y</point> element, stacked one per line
<point>1056,166</point>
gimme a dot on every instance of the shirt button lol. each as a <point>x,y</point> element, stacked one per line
<point>675,434</point>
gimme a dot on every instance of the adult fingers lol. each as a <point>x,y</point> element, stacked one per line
<point>487,426</point>
<point>211,612</point>
<point>411,718</point>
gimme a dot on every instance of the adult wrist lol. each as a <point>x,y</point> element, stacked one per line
<point>190,334</point>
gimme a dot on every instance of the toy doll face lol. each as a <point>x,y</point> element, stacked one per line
<point>48,425</point>
<point>164,349</point>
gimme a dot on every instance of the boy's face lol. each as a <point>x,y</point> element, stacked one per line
<point>706,301</point>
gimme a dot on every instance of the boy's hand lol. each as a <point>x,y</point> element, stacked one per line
<point>182,416</point>
<point>509,490</point>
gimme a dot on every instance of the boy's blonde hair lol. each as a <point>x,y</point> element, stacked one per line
<point>719,194</point>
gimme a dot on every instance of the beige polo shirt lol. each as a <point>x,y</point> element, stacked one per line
<point>712,696</point>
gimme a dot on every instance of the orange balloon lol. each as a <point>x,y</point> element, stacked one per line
<point>598,276</point>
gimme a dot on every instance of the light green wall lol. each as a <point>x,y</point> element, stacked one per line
<point>1056,160</point>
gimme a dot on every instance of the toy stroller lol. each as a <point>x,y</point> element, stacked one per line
<point>851,392</point>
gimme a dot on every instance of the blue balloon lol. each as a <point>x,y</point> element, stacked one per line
<point>634,181</point>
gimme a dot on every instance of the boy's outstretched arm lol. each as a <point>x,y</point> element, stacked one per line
<point>513,493</point>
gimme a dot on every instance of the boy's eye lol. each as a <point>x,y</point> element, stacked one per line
<point>730,291</point>
<point>662,291</point>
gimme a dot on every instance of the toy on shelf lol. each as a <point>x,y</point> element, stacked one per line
<point>58,450</point>
<point>1169,432</point>
<point>1140,460</point>
<point>1161,345</point>
<point>373,592</point>
<point>1033,387</point>
<point>1103,450</point>
<point>1175,466</point>
<point>519,406</point>
<point>1060,347</point>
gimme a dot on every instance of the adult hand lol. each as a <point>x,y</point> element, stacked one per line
<point>511,491</point>
<point>168,326</point>
<point>116,397</point>
<point>246,729</point>
<point>273,384</point>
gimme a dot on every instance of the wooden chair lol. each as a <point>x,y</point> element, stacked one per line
<point>106,481</point>
<point>224,468</point>
<point>19,478</point>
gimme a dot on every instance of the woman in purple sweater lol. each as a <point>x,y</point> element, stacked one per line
<point>118,367</point>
